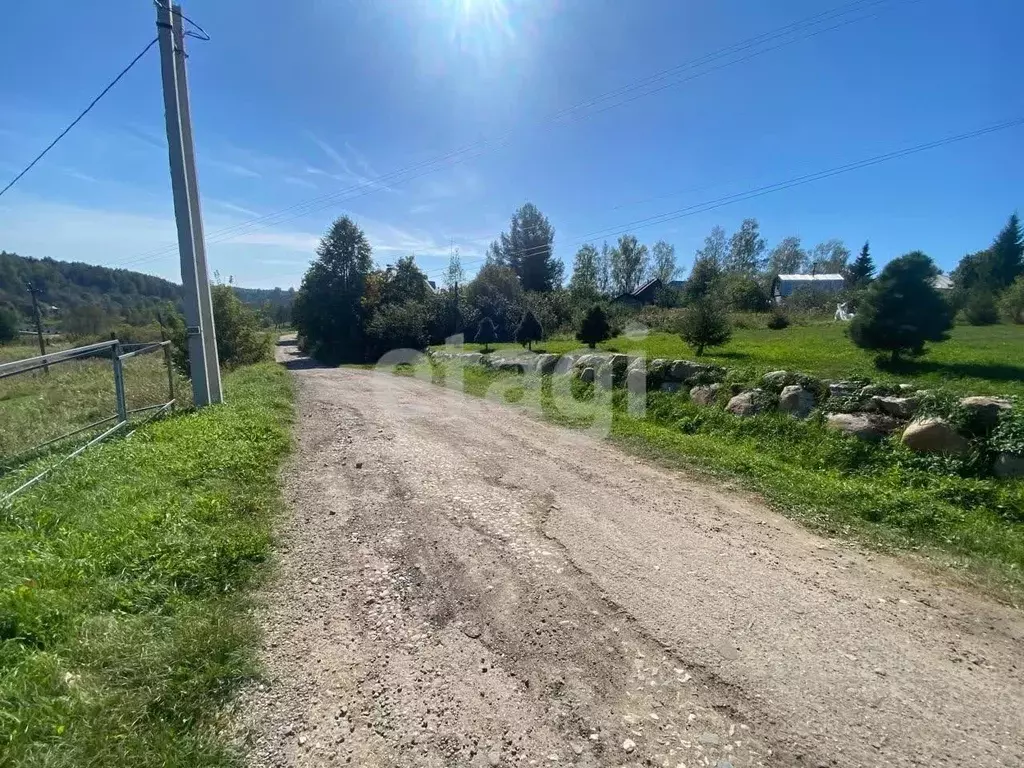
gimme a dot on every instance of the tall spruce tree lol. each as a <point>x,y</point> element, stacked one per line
<point>862,271</point>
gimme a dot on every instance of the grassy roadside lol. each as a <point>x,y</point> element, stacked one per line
<point>123,579</point>
<point>882,495</point>
<point>982,360</point>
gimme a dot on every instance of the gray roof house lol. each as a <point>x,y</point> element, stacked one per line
<point>784,285</point>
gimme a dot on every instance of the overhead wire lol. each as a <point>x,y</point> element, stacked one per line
<point>82,114</point>
<point>575,113</point>
<point>709,205</point>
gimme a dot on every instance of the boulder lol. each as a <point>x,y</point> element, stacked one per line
<point>934,435</point>
<point>1009,465</point>
<point>619,363</point>
<point>984,412</point>
<point>587,375</point>
<point>749,403</point>
<point>547,363</point>
<point>845,388</point>
<point>796,401</point>
<point>681,370</point>
<point>900,407</point>
<point>862,425</point>
<point>776,380</point>
<point>636,380</point>
<point>705,395</point>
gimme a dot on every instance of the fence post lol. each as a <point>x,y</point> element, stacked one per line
<point>170,373</point>
<point>122,405</point>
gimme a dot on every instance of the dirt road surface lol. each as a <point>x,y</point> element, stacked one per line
<point>462,585</point>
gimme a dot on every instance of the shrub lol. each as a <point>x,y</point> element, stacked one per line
<point>813,300</point>
<point>902,309</point>
<point>1012,302</point>
<point>594,328</point>
<point>240,338</point>
<point>980,308</point>
<point>398,326</point>
<point>529,330</point>
<point>778,320</point>
<point>705,324</point>
<point>745,294</point>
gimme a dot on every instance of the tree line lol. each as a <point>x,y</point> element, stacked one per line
<point>349,309</point>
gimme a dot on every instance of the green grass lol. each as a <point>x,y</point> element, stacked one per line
<point>976,360</point>
<point>39,406</point>
<point>883,495</point>
<point>124,623</point>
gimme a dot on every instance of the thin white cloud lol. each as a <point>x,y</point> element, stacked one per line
<point>297,182</point>
<point>236,169</point>
<point>234,208</point>
<point>345,172</point>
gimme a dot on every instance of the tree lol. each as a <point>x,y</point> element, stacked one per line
<point>495,293</point>
<point>1007,254</point>
<point>594,328</point>
<point>715,249</point>
<point>664,267</point>
<point>974,270</point>
<point>454,276</point>
<point>87,321</point>
<point>980,307</point>
<point>529,330</point>
<point>704,324</point>
<point>862,271</point>
<point>746,249</point>
<point>8,325</point>
<point>787,258</point>
<point>629,263</point>
<point>485,333</point>
<point>704,279</point>
<point>527,249</point>
<point>829,257</point>
<point>240,338</point>
<point>404,282</point>
<point>745,294</point>
<point>328,310</point>
<point>1012,302</point>
<point>901,309</point>
<point>584,281</point>
<point>604,271</point>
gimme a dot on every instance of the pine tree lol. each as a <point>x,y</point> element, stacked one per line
<point>862,271</point>
<point>527,248</point>
<point>594,328</point>
<point>902,310</point>
<point>529,330</point>
<point>485,333</point>
<point>1007,254</point>
<point>705,324</point>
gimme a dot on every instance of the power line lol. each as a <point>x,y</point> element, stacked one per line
<point>573,113</point>
<point>84,112</point>
<point>709,205</point>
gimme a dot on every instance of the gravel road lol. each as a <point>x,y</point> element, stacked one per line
<point>463,585</point>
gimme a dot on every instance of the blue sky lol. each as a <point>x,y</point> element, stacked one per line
<point>296,101</point>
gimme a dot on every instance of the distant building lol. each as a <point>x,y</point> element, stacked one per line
<point>643,295</point>
<point>943,283</point>
<point>784,285</point>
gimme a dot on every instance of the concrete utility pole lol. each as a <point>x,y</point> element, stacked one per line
<point>198,235</point>
<point>190,271</point>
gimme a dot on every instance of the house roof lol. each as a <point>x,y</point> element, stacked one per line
<point>823,277</point>
<point>943,282</point>
<point>640,289</point>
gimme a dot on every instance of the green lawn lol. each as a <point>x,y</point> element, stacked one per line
<point>124,622</point>
<point>976,360</point>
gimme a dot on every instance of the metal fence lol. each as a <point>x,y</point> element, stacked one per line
<point>49,365</point>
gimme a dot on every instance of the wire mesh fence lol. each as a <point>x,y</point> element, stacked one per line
<point>60,403</point>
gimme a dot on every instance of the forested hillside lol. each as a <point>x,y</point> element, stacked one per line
<point>65,288</point>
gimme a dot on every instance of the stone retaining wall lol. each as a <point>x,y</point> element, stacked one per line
<point>855,407</point>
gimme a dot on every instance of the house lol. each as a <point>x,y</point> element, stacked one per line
<point>784,285</point>
<point>943,283</point>
<point>643,295</point>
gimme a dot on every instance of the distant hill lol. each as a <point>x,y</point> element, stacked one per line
<point>136,297</point>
